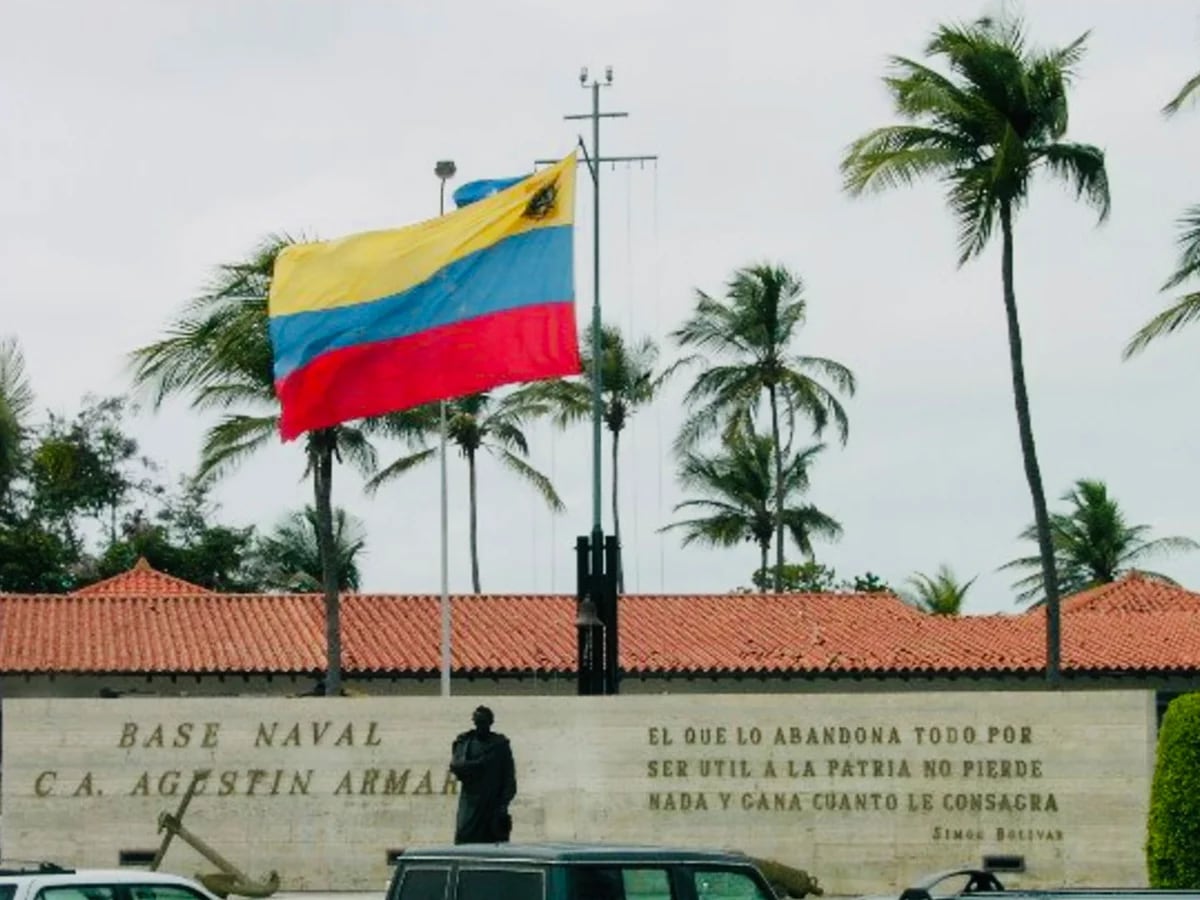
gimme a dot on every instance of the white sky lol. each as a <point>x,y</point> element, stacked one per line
<point>145,142</point>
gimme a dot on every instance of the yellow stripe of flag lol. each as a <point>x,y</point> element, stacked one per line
<point>365,267</point>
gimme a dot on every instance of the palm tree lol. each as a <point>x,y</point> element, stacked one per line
<point>16,402</point>
<point>753,327</point>
<point>1187,308</point>
<point>984,131</point>
<point>292,557</point>
<point>476,422</point>
<point>940,594</point>
<point>218,353</point>
<point>629,380</point>
<point>1093,544</point>
<point>739,499</point>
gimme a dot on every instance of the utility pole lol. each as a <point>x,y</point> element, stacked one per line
<point>598,560</point>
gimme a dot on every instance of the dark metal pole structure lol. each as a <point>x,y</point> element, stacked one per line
<point>598,559</point>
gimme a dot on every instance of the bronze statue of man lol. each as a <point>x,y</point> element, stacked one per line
<point>482,761</point>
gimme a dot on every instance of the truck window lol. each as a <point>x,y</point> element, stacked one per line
<point>478,883</point>
<point>727,884</point>
<point>423,883</point>
<point>619,883</point>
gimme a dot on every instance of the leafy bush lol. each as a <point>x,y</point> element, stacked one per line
<point>1173,831</point>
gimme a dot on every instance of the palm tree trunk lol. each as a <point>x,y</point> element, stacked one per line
<point>1029,453</point>
<point>323,491</point>
<point>616,437</point>
<point>762,549</point>
<point>474,533</point>
<point>778,491</point>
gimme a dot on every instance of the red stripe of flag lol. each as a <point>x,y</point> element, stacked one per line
<point>529,343</point>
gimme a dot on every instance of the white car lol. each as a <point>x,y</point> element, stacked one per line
<point>47,881</point>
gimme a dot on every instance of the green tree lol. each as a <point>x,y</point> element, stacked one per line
<point>1186,309</point>
<point>751,330</point>
<point>217,352</point>
<point>1173,829</point>
<point>291,554</point>
<point>808,577</point>
<point>940,594</point>
<point>629,379</point>
<point>984,131</point>
<point>16,404</point>
<point>88,467</point>
<point>34,559</point>
<point>738,497</point>
<point>183,539</point>
<point>868,583</point>
<point>479,422</point>
<point>54,478</point>
<point>1093,544</point>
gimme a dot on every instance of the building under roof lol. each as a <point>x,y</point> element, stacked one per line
<point>146,632</point>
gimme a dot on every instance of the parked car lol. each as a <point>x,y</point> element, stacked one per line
<point>48,881</point>
<point>968,882</point>
<point>574,872</point>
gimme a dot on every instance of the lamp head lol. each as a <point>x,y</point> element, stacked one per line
<point>587,616</point>
<point>608,74</point>
<point>445,169</point>
<point>583,75</point>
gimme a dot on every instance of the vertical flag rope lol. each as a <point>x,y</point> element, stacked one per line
<point>553,518</point>
<point>631,337</point>
<point>662,544</point>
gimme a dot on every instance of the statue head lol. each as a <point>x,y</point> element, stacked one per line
<point>483,719</point>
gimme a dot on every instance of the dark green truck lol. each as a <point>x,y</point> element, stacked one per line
<point>574,872</point>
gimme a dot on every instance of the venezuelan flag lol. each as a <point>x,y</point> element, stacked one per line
<point>388,320</point>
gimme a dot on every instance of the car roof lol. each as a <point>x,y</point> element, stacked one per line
<point>114,875</point>
<point>563,852</point>
<point>57,875</point>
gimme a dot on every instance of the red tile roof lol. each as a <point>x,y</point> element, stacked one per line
<point>1134,625</point>
<point>1135,592</point>
<point>142,581</point>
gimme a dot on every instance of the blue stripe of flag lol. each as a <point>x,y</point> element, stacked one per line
<point>529,268</point>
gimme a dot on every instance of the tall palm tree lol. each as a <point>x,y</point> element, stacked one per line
<point>738,499</point>
<point>941,594</point>
<point>292,557</point>
<point>1187,308</point>
<point>16,403</point>
<point>1093,544</point>
<point>629,379</point>
<point>218,353</point>
<point>486,421</point>
<point>984,130</point>
<point>752,329</point>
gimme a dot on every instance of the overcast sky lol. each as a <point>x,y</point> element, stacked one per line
<point>145,142</point>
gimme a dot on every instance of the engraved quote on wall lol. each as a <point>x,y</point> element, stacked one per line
<point>946,774</point>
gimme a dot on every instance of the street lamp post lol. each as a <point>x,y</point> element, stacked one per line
<point>444,170</point>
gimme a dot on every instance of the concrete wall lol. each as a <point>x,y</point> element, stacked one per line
<point>866,791</point>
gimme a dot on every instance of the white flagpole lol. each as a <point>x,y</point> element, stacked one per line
<point>445,565</point>
<point>444,170</point>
